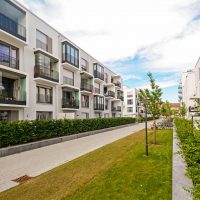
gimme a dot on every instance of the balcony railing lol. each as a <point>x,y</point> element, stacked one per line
<point>12,27</point>
<point>86,86</point>
<point>117,108</point>
<point>41,98</point>
<point>97,90</point>
<point>109,94</point>
<point>68,81</point>
<point>70,104</point>
<point>11,100</point>
<point>85,104</point>
<point>118,84</point>
<point>98,106</point>
<point>46,73</point>
<point>41,45</point>
<point>98,75</point>
<point>8,61</point>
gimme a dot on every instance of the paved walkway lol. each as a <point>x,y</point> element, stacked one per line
<point>180,183</point>
<point>37,161</point>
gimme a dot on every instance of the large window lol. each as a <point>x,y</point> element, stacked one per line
<point>44,95</point>
<point>129,109</point>
<point>129,101</point>
<point>84,64</point>
<point>8,55</point>
<point>41,40</point>
<point>70,54</point>
<point>43,115</point>
<point>98,71</point>
<point>98,103</point>
<point>85,101</point>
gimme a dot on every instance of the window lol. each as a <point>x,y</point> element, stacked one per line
<point>106,77</point>
<point>98,71</point>
<point>129,101</point>
<point>43,115</point>
<point>68,77</point>
<point>98,103</point>
<point>43,41</point>
<point>85,101</point>
<point>70,54</point>
<point>44,95</point>
<point>84,64</point>
<point>9,55</point>
<point>129,109</point>
<point>106,105</point>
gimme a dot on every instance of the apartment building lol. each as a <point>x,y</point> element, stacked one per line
<point>45,75</point>
<point>132,106</point>
<point>187,89</point>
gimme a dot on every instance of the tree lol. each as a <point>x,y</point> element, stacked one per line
<point>182,110</point>
<point>153,100</point>
<point>166,109</point>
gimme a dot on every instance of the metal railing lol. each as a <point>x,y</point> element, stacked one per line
<point>68,81</point>
<point>12,27</point>
<point>97,90</point>
<point>8,61</point>
<point>98,106</point>
<point>85,104</point>
<point>86,86</point>
<point>109,94</point>
<point>98,74</point>
<point>118,84</point>
<point>41,98</point>
<point>66,103</point>
<point>13,100</point>
<point>41,45</point>
<point>46,73</point>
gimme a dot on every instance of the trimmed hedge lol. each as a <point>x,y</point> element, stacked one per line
<point>142,119</point>
<point>20,132</point>
<point>190,144</point>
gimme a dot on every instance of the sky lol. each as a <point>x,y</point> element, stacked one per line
<point>132,37</point>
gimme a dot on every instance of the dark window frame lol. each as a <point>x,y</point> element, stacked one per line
<point>46,98</point>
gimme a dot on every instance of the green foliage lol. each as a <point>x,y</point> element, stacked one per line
<point>182,110</point>
<point>190,143</point>
<point>142,119</point>
<point>166,109</point>
<point>20,132</point>
<point>153,96</point>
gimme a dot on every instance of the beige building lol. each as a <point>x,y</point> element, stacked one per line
<point>45,75</point>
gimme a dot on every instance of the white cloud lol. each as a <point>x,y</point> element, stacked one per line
<point>131,77</point>
<point>112,30</point>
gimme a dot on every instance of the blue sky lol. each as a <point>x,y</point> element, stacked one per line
<point>132,37</point>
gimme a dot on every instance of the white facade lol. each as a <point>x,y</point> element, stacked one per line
<point>132,107</point>
<point>45,75</point>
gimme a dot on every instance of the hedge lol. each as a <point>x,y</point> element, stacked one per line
<point>20,132</point>
<point>190,144</point>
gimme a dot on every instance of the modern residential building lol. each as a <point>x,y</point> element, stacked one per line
<point>132,106</point>
<point>45,75</point>
<point>187,89</point>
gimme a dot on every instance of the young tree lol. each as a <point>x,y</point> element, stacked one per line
<point>152,98</point>
<point>182,110</point>
<point>166,110</point>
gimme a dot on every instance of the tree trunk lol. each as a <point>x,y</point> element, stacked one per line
<point>154,131</point>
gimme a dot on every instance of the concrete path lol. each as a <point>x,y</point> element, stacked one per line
<point>37,161</point>
<point>180,182</point>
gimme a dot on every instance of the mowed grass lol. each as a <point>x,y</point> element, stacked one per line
<point>117,171</point>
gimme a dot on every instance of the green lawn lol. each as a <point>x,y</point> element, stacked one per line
<point>117,171</point>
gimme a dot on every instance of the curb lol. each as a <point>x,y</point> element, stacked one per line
<point>181,184</point>
<point>42,143</point>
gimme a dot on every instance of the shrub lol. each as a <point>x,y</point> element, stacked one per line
<point>12,133</point>
<point>190,144</point>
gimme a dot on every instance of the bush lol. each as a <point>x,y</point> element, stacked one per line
<point>190,144</point>
<point>12,133</point>
<point>142,119</point>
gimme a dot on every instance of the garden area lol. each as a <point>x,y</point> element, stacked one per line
<point>119,170</point>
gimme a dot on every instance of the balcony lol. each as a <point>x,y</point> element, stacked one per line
<point>116,109</point>
<point>98,75</point>
<point>98,106</point>
<point>71,104</point>
<point>118,84</point>
<point>86,87</point>
<point>12,89</point>
<point>109,94</point>
<point>12,19</point>
<point>7,60</point>
<point>46,73</point>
